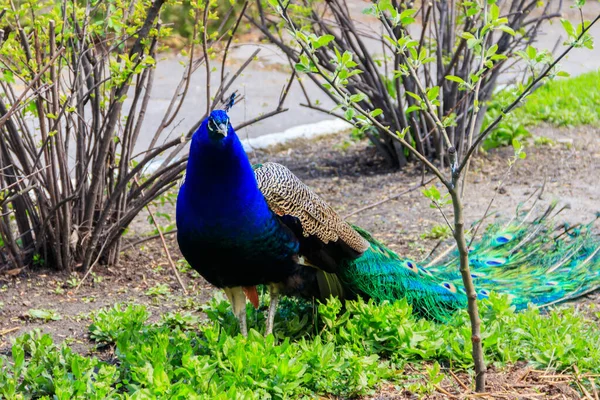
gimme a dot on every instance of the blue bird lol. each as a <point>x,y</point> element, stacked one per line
<point>241,226</point>
<point>228,232</point>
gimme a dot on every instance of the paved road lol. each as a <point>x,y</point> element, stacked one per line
<point>263,80</point>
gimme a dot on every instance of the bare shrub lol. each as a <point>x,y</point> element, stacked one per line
<point>72,178</point>
<point>442,38</point>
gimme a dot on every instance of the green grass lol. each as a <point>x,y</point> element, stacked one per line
<point>566,102</point>
<point>562,102</point>
<point>328,351</point>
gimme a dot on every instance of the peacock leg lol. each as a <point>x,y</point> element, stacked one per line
<point>274,292</point>
<point>237,298</point>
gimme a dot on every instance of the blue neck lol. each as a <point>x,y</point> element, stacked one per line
<point>220,189</point>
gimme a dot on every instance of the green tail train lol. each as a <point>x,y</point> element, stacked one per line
<point>532,262</point>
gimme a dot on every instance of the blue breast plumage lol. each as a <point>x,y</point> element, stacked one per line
<point>226,230</point>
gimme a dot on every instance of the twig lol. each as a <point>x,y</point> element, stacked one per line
<point>260,118</point>
<point>412,189</point>
<point>445,392</point>
<point>485,214</point>
<point>235,27</point>
<point>28,87</point>
<point>22,179</point>
<point>593,383</point>
<point>493,197</point>
<point>149,238</point>
<point>164,243</point>
<point>9,330</point>
<point>323,110</point>
<point>205,49</point>
<point>476,108</point>
<point>438,244</point>
<point>580,384</point>
<point>441,210</point>
<point>459,381</point>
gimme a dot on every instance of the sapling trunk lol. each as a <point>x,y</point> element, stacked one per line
<point>465,272</point>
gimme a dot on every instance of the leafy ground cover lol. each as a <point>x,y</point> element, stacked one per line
<point>571,101</point>
<point>327,350</point>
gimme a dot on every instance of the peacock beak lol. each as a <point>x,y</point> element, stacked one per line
<point>222,129</point>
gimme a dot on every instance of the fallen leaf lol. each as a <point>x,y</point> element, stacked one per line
<point>13,272</point>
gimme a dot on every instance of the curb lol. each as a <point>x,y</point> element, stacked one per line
<point>307,131</point>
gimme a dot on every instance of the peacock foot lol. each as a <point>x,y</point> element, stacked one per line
<point>237,298</point>
<point>274,292</point>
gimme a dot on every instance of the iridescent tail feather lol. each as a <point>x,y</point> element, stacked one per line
<point>533,262</point>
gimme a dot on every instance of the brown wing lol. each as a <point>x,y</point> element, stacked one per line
<point>287,195</point>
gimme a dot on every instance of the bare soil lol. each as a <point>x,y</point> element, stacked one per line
<point>350,176</point>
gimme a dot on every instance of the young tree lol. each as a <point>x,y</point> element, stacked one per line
<point>431,98</point>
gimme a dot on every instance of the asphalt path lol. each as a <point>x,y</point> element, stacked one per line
<point>262,81</point>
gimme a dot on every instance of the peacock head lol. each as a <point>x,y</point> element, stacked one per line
<point>218,125</point>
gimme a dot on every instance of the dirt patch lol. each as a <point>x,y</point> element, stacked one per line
<point>350,176</point>
<point>513,382</point>
<point>134,280</point>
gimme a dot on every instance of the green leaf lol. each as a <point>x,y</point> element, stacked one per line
<point>491,51</point>
<point>432,193</point>
<point>516,144</point>
<point>349,114</point>
<point>45,315</point>
<point>301,68</point>
<point>402,134</point>
<point>355,98</point>
<point>346,57</point>
<point>568,27</point>
<point>414,96</point>
<point>507,29</point>
<point>7,76</point>
<point>455,78</point>
<point>433,93</point>
<point>406,16</point>
<point>376,112</point>
<point>472,11</point>
<point>323,41</point>
<point>472,43</point>
<point>494,12</point>
<point>408,13</point>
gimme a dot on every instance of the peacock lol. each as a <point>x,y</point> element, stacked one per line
<point>241,226</point>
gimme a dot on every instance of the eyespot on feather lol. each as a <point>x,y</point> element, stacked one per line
<point>448,285</point>
<point>412,266</point>
<point>503,239</point>
<point>495,262</point>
